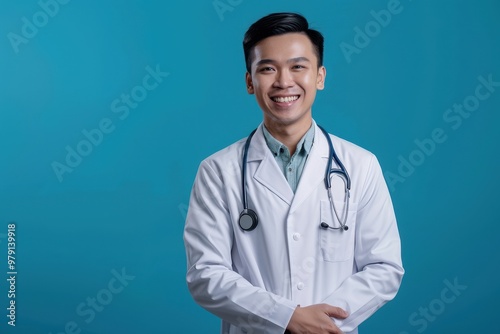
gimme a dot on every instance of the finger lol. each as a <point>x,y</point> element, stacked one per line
<point>336,330</point>
<point>336,312</point>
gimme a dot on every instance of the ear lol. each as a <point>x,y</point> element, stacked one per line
<point>248,80</point>
<point>320,81</point>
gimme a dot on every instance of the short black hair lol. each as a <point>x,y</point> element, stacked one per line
<point>279,24</point>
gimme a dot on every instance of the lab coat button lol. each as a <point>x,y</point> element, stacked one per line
<point>296,236</point>
<point>300,286</point>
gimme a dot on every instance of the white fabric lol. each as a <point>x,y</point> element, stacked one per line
<point>254,280</point>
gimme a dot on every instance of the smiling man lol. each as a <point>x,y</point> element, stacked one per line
<point>290,230</point>
<point>284,77</point>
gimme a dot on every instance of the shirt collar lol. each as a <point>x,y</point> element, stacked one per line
<point>277,148</point>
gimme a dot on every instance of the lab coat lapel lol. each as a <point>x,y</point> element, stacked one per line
<point>314,169</point>
<point>268,172</point>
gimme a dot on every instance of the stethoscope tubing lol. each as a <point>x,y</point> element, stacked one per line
<point>244,169</point>
<point>250,217</point>
<point>332,155</point>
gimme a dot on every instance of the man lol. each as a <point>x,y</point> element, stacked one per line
<point>280,255</point>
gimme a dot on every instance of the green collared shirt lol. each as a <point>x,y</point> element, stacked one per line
<point>291,166</point>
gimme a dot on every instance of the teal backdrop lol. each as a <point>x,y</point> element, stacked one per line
<point>108,107</point>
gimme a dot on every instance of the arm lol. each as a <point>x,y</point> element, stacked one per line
<point>377,254</point>
<point>208,237</point>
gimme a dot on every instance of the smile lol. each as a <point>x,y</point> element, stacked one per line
<point>285,99</point>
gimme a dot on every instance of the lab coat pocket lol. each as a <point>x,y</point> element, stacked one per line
<point>337,244</point>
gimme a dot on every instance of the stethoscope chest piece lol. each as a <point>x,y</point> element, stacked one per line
<point>248,220</point>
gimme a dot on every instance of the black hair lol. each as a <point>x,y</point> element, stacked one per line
<point>279,24</point>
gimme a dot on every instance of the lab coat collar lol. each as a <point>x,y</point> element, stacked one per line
<point>269,174</point>
<point>314,169</point>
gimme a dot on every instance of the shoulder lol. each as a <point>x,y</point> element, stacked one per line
<point>344,149</point>
<point>225,160</point>
<point>363,168</point>
<point>362,165</point>
<point>228,153</point>
<point>347,150</point>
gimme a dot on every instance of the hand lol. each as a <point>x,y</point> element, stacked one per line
<point>315,319</point>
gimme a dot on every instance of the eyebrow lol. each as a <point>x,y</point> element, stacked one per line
<point>291,60</point>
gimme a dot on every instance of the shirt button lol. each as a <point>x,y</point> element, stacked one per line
<point>296,236</point>
<point>300,286</point>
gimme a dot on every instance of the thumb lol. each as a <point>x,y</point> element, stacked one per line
<point>336,312</point>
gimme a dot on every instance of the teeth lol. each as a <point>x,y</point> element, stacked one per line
<point>285,99</point>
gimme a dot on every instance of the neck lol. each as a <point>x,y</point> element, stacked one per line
<point>288,134</point>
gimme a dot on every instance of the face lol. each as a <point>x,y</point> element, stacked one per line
<point>284,78</point>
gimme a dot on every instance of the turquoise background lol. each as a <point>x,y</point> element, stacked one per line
<point>123,206</point>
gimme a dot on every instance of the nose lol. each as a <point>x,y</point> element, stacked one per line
<point>284,79</point>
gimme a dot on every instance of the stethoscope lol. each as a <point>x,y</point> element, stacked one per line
<point>249,220</point>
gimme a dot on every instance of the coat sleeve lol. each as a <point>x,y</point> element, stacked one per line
<point>214,285</point>
<point>377,254</point>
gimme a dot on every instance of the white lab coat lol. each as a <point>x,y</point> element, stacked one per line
<point>254,280</point>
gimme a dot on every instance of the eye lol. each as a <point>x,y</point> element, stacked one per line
<point>298,67</point>
<point>266,69</point>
